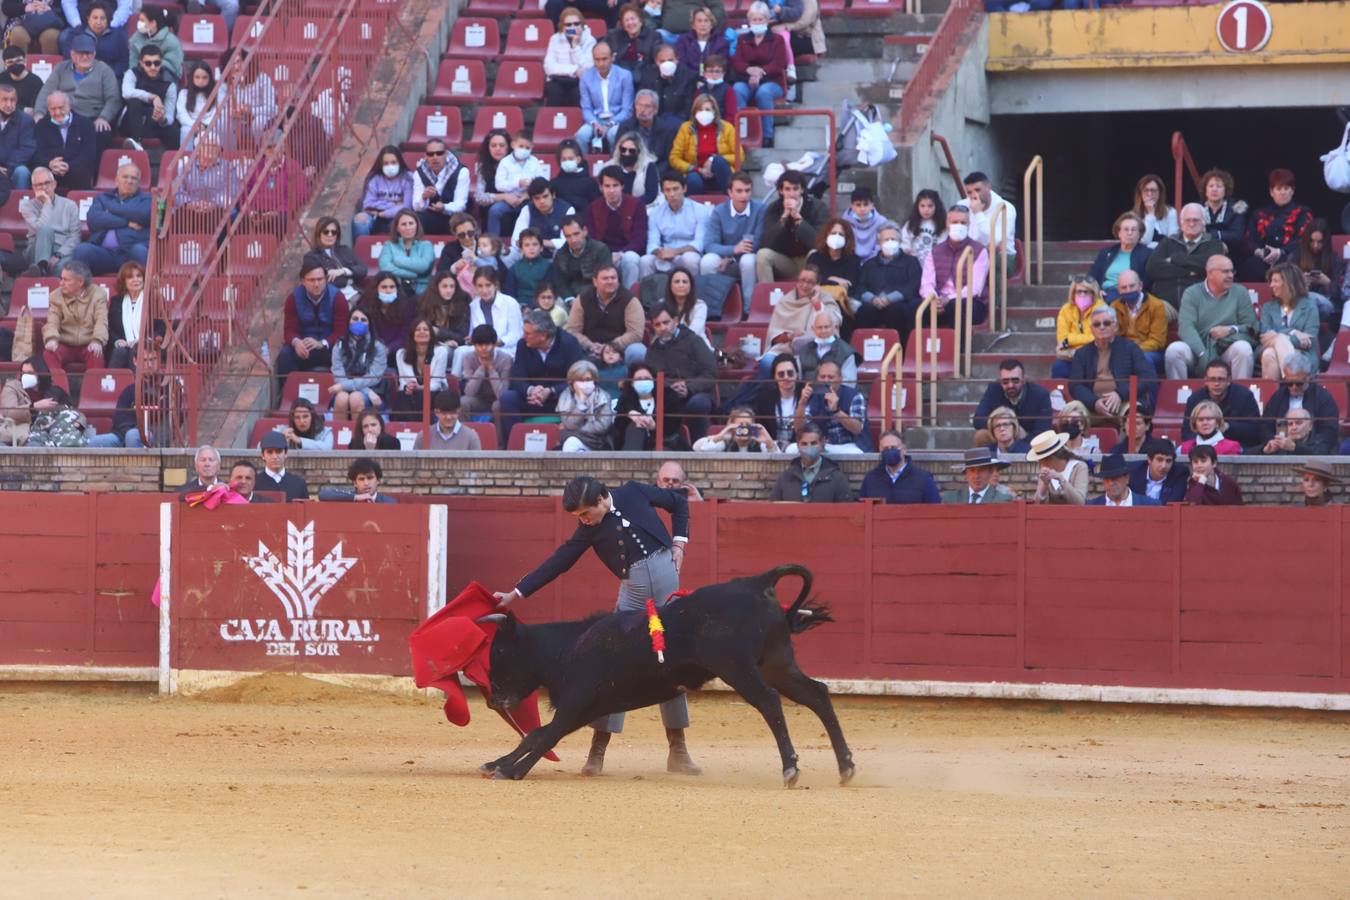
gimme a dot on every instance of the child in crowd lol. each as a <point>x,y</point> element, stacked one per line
<point>866,221</point>
<point>531,269</point>
<point>514,174</point>
<point>487,252</point>
<point>926,225</point>
<point>547,299</point>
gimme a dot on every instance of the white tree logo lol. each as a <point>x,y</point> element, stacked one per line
<point>300,584</point>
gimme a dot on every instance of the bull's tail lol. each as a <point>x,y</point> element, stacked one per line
<point>802,615</point>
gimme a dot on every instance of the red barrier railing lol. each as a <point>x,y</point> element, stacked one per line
<point>1181,155</point>
<point>229,205</point>
<point>952,167</point>
<point>946,48</point>
<point>831,134</point>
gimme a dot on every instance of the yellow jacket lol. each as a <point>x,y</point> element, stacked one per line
<point>684,152</point>
<point>1073,327</point>
<point>1149,328</point>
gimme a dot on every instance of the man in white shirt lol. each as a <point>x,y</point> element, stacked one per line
<point>1115,475</point>
<point>675,230</point>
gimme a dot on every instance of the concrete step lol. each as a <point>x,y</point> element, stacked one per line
<point>939,437</point>
<point>799,138</point>
<point>856,37</point>
<point>1013,343</point>
<point>1053,294</point>
<point>984,366</point>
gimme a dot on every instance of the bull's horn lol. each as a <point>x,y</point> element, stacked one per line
<point>497,618</point>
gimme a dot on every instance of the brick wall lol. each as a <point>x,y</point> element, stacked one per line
<point>513,474</point>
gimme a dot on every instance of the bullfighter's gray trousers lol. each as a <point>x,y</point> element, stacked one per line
<point>653,577</point>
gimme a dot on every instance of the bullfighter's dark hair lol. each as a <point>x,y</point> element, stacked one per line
<point>583,493</point>
<point>365,467</point>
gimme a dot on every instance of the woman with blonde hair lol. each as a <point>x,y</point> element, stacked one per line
<point>1207,423</point>
<point>1073,419</point>
<point>1288,321</point>
<point>1004,433</point>
<point>586,411</point>
<point>567,56</point>
<point>705,149</point>
<point>1072,329</point>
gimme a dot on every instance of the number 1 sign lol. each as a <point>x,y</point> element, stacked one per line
<point>1243,26</point>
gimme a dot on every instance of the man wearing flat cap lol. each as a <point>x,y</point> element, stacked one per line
<point>979,467</point>
<point>1315,480</point>
<point>274,476</point>
<point>1115,475</point>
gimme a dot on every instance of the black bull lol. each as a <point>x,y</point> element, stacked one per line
<point>736,631</point>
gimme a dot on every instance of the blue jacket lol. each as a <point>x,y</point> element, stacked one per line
<point>1138,262</point>
<point>636,503</point>
<point>620,95</point>
<point>18,141</point>
<point>1126,360</point>
<point>111,212</point>
<point>914,485</point>
<point>79,148</point>
<point>1174,485</point>
<point>723,231</point>
<point>530,369</point>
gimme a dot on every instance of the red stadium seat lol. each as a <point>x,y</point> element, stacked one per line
<point>762,301</point>
<point>1261,391</point>
<point>11,223</point>
<point>1107,438</point>
<point>519,83</point>
<point>167,166</point>
<point>751,131</point>
<point>875,7</point>
<point>7,240</point>
<point>304,30</point>
<point>83,200</point>
<point>368,249</point>
<point>101,388</point>
<point>475,38</point>
<point>902,410</point>
<point>186,252</point>
<point>509,118</point>
<point>435,122</point>
<point>203,37</point>
<point>111,160</point>
<point>493,8</point>
<point>41,64</point>
<point>731,311</point>
<point>527,39</point>
<point>1259,291</point>
<point>555,124</point>
<point>941,342</point>
<point>265,424</point>
<point>486,431</point>
<point>532,9</point>
<point>242,26</point>
<point>252,254</point>
<point>1170,408</point>
<point>33,293</point>
<point>598,28</point>
<point>313,386</point>
<point>408,434</point>
<point>530,435</point>
<point>361,38</point>
<point>459,81</point>
<point>1340,356</point>
<point>748,338</point>
<point>873,344</point>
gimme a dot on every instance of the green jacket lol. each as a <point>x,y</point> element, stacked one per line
<point>1201,311</point>
<point>996,493</point>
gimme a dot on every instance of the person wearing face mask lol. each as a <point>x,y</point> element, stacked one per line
<point>389,188</point>
<point>17,76</point>
<point>1071,325</point>
<point>939,270</point>
<point>760,66</point>
<point>888,286</point>
<point>840,268</point>
<point>390,310</point>
<point>826,346</point>
<point>635,413</point>
<point>90,84</point>
<point>315,315</point>
<point>1142,317</point>
<point>812,477</point>
<point>153,26</point>
<point>66,144</point>
<point>673,86</point>
<point>569,53</point>
<point>714,83</point>
<point>359,361</point>
<point>650,140</point>
<point>586,410</point>
<point>515,172</point>
<point>606,100</point>
<point>706,150</point>
<point>24,396</point>
<point>573,185</point>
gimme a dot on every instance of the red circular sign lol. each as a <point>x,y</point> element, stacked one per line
<point>1243,26</point>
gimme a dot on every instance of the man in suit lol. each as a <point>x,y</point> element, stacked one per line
<point>67,144</point>
<point>274,450</point>
<point>539,372</point>
<point>980,466</point>
<point>365,475</point>
<point>1029,400</point>
<point>623,529</point>
<point>1159,477</point>
<point>1115,475</point>
<point>244,482</point>
<point>606,100</point>
<point>206,465</point>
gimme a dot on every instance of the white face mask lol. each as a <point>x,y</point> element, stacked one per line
<point>704,117</point>
<point>390,171</point>
<point>958,231</point>
<point>585,388</point>
<point>667,68</point>
<point>890,248</point>
<point>835,242</point>
<point>570,165</point>
<point>521,153</point>
<point>825,343</point>
<point>28,380</point>
<point>143,27</point>
<point>712,82</point>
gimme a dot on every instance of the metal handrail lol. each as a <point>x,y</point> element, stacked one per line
<point>941,141</point>
<point>793,113</point>
<point>1181,154</point>
<point>888,386</point>
<point>964,318</point>
<point>920,345</point>
<point>1035,167</point>
<point>945,49</point>
<point>998,297</point>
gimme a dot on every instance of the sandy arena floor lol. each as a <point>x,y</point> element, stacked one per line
<point>285,787</point>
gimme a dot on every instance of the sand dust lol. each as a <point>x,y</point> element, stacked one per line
<point>289,787</point>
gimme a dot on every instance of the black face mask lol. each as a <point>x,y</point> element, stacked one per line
<point>15,68</point>
<point>628,159</point>
<point>1071,430</point>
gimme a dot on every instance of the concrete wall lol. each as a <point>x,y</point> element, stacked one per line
<point>735,477</point>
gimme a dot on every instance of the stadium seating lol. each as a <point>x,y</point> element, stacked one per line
<point>435,122</point>
<point>112,160</point>
<point>872,345</point>
<point>460,81</point>
<point>204,37</point>
<point>486,431</point>
<point>527,39</point>
<point>534,436</point>
<point>554,125</point>
<point>519,83</point>
<point>763,300</point>
<point>491,117</point>
<point>474,38</point>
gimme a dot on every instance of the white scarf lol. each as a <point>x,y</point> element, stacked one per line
<point>131,317</point>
